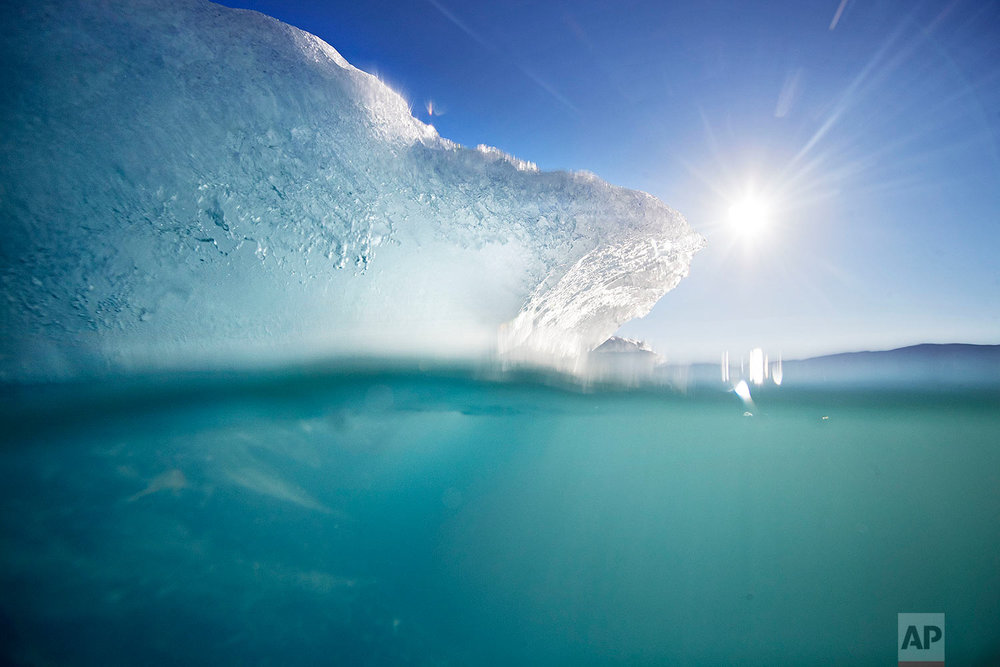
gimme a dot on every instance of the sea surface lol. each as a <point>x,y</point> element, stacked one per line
<point>449,515</point>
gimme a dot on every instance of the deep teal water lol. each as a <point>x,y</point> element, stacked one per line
<point>382,517</point>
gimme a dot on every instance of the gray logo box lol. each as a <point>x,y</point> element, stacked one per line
<point>920,639</point>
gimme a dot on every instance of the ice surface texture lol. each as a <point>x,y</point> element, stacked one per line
<point>182,182</point>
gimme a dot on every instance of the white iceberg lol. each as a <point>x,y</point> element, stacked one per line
<point>182,182</point>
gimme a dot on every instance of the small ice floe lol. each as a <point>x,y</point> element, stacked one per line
<point>742,389</point>
<point>624,360</point>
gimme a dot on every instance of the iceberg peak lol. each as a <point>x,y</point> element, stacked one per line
<point>181,183</point>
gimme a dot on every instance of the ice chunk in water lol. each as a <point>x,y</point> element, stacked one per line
<point>182,182</point>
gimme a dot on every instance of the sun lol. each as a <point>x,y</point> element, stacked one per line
<point>750,216</point>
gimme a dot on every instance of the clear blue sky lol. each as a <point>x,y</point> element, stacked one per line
<point>869,129</point>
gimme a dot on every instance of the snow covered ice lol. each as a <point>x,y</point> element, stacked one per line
<point>181,182</point>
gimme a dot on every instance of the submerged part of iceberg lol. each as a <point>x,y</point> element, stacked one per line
<point>182,182</point>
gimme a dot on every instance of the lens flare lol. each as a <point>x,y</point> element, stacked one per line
<point>750,216</point>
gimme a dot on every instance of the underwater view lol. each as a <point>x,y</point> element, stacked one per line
<point>296,370</point>
<point>383,516</point>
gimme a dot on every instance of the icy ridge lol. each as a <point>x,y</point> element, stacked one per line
<point>181,181</point>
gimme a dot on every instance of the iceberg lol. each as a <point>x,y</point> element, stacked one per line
<point>181,182</point>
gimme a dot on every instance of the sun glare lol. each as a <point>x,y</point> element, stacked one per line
<point>750,216</point>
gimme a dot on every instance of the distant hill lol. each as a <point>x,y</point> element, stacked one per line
<point>954,364</point>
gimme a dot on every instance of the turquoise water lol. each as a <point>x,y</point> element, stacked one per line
<point>446,517</point>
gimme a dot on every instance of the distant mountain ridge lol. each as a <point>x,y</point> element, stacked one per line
<point>939,350</point>
<point>952,364</point>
